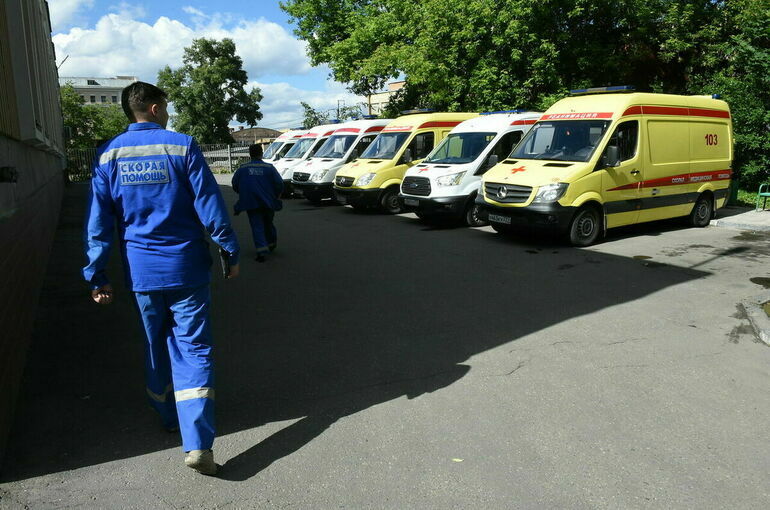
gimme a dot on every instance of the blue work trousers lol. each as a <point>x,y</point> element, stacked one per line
<point>263,230</point>
<point>179,369</point>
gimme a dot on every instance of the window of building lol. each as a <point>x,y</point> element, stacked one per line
<point>114,99</point>
<point>93,82</point>
<point>104,99</point>
<point>93,99</point>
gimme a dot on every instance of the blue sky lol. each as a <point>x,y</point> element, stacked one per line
<point>110,37</point>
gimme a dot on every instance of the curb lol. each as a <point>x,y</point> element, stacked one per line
<point>738,225</point>
<point>759,320</point>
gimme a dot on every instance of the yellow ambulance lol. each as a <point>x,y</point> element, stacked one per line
<point>373,179</point>
<point>609,156</point>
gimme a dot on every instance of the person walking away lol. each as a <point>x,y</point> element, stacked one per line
<point>259,186</point>
<point>158,188</point>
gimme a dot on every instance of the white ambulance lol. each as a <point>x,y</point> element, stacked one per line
<point>282,145</point>
<point>447,181</point>
<point>305,147</point>
<point>314,178</point>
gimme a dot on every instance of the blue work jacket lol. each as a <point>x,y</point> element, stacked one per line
<point>155,184</point>
<point>259,186</point>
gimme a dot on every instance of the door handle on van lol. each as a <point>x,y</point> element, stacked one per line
<point>634,172</point>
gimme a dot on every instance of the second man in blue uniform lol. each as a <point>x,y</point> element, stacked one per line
<point>259,186</point>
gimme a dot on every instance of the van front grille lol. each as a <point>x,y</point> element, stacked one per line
<point>507,193</point>
<point>301,176</point>
<point>343,182</point>
<point>419,186</point>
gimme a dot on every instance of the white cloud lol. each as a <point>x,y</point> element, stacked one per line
<point>119,44</point>
<point>66,12</point>
<point>281,107</point>
<point>193,11</point>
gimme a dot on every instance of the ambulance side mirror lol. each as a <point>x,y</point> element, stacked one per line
<point>492,161</point>
<point>612,156</point>
<point>353,155</point>
<point>407,157</point>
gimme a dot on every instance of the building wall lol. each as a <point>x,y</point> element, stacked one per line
<point>31,182</point>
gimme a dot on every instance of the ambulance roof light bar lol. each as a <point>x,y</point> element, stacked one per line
<point>602,90</point>
<point>518,110</point>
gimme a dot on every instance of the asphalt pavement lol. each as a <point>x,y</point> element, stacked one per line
<point>381,362</point>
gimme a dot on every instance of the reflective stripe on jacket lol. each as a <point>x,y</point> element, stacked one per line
<point>158,188</point>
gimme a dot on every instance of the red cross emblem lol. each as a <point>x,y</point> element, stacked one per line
<point>423,169</point>
<point>515,170</point>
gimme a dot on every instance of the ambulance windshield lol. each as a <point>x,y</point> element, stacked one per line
<point>564,140</point>
<point>460,148</point>
<point>300,148</point>
<point>385,146</point>
<point>271,150</point>
<point>336,146</point>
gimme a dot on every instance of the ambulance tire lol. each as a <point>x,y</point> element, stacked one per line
<point>702,211</point>
<point>473,217</point>
<point>586,226</point>
<point>389,201</point>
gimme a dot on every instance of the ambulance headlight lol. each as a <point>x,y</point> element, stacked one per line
<point>365,179</point>
<point>450,180</point>
<point>319,176</point>
<point>550,192</point>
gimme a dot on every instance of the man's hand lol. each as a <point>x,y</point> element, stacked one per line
<point>234,271</point>
<point>102,295</point>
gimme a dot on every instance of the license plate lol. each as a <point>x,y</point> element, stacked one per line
<point>506,220</point>
<point>341,199</point>
<point>411,202</point>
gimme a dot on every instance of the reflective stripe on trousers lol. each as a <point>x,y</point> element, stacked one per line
<point>178,350</point>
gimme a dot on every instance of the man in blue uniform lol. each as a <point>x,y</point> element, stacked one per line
<point>259,186</point>
<point>156,185</point>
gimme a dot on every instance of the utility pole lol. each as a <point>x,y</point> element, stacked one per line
<point>338,106</point>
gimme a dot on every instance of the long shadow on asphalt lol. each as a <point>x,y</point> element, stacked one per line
<point>351,311</point>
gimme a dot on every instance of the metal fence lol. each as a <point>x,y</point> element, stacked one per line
<point>221,158</point>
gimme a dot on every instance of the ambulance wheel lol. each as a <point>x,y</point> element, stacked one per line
<point>389,201</point>
<point>473,215</point>
<point>702,212</point>
<point>586,226</point>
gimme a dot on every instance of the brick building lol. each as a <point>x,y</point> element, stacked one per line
<point>31,183</point>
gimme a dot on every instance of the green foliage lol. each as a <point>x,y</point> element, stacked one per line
<point>207,92</point>
<point>476,55</point>
<point>313,117</point>
<point>89,125</point>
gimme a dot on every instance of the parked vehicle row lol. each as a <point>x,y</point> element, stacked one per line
<point>598,159</point>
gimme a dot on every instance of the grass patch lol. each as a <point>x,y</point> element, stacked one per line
<point>747,198</point>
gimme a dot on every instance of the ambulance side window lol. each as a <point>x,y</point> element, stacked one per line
<point>422,145</point>
<point>363,143</point>
<point>625,138</point>
<point>316,147</point>
<point>502,148</point>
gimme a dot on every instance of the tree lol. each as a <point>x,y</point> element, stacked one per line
<point>499,54</point>
<point>89,125</point>
<point>207,92</point>
<point>313,117</point>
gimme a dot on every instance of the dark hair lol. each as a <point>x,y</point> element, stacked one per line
<point>139,96</point>
<point>255,151</point>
